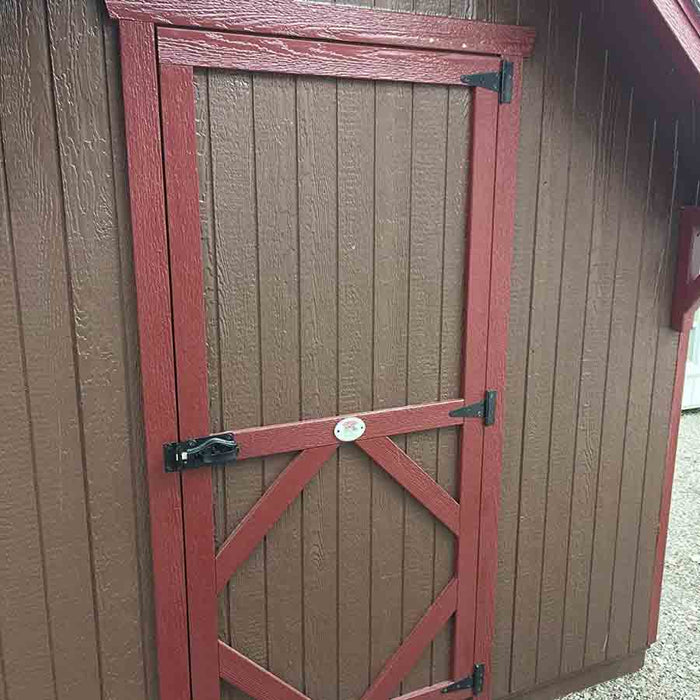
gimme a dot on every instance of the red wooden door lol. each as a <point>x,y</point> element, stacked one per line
<point>268,305</point>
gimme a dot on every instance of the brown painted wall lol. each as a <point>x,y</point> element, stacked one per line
<point>590,364</point>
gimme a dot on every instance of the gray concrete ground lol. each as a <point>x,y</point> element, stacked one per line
<point>672,669</point>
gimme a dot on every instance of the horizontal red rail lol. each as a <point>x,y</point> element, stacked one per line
<point>334,22</point>
<point>246,52</point>
<point>291,437</point>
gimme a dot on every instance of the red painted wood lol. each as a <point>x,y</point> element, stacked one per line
<point>395,462</point>
<point>685,300</point>
<point>142,121</point>
<point>686,293</point>
<point>291,437</point>
<point>333,22</point>
<point>681,28</point>
<point>499,309</point>
<point>477,292</point>
<point>302,57</point>
<point>263,515</point>
<point>405,657</point>
<point>691,13</point>
<point>182,189</point>
<point>252,679</point>
<point>664,514</point>
<point>434,692</point>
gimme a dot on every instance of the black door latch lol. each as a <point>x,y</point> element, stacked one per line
<point>200,452</point>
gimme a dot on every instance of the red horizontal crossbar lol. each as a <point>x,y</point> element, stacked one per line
<point>434,692</point>
<point>246,52</point>
<point>390,457</point>
<point>292,437</point>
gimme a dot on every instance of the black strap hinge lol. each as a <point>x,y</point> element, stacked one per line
<point>475,682</point>
<point>485,409</point>
<point>499,81</point>
<point>200,452</point>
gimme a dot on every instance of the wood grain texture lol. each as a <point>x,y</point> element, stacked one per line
<point>92,232</point>
<point>426,239</point>
<point>406,656</point>
<point>664,216</point>
<point>572,451</point>
<point>63,590</point>
<point>24,625</point>
<point>337,23</point>
<point>355,105</point>
<point>317,181</point>
<point>499,301</point>
<point>156,347</point>
<point>301,57</point>
<point>477,280</point>
<point>639,398</point>
<point>276,157</point>
<point>301,435</point>
<point>253,679</point>
<point>550,226</point>
<point>517,358</point>
<point>263,515</point>
<point>227,167</point>
<point>401,467</point>
<point>182,193</point>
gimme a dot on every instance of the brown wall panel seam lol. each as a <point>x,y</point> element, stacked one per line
<point>545,69</point>
<point>659,300</point>
<point>74,345</point>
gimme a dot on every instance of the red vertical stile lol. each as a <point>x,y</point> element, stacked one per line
<point>476,309</point>
<point>142,122</point>
<point>499,308</point>
<point>182,187</point>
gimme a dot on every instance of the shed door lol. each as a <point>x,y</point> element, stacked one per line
<point>330,220</point>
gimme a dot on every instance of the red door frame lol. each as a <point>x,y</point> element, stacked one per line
<point>172,495</point>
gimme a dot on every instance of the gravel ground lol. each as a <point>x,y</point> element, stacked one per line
<point>672,668</point>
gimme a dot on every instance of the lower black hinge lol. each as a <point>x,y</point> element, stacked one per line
<point>200,452</point>
<point>485,409</point>
<point>475,682</point>
<point>499,81</point>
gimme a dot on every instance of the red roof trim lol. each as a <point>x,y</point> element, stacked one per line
<point>678,17</point>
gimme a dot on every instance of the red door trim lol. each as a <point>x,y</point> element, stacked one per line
<point>475,343</point>
<point>684,305</point>
<point>333,22</point>
<point>180,147</point>
<point>499,312</point>
<point>145,166</point>
<point>146,189</point>
<point>320,58</point>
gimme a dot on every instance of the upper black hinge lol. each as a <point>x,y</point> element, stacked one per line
<point>499,81</point>
<point>485,409</point>
<point>200,452</point>
<point>475,682</point>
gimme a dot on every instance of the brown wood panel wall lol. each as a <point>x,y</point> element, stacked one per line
<point>590,363</point>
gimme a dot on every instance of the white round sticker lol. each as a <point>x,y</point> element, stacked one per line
<point>349,429</point>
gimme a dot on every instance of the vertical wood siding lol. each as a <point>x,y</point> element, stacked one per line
<point>590,362</point>
<point>341,222</point>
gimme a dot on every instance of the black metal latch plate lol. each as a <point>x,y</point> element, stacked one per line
<point>499,81</point>
<point>475,682</point>
<point>485,409</point>
<point>200,452</point>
